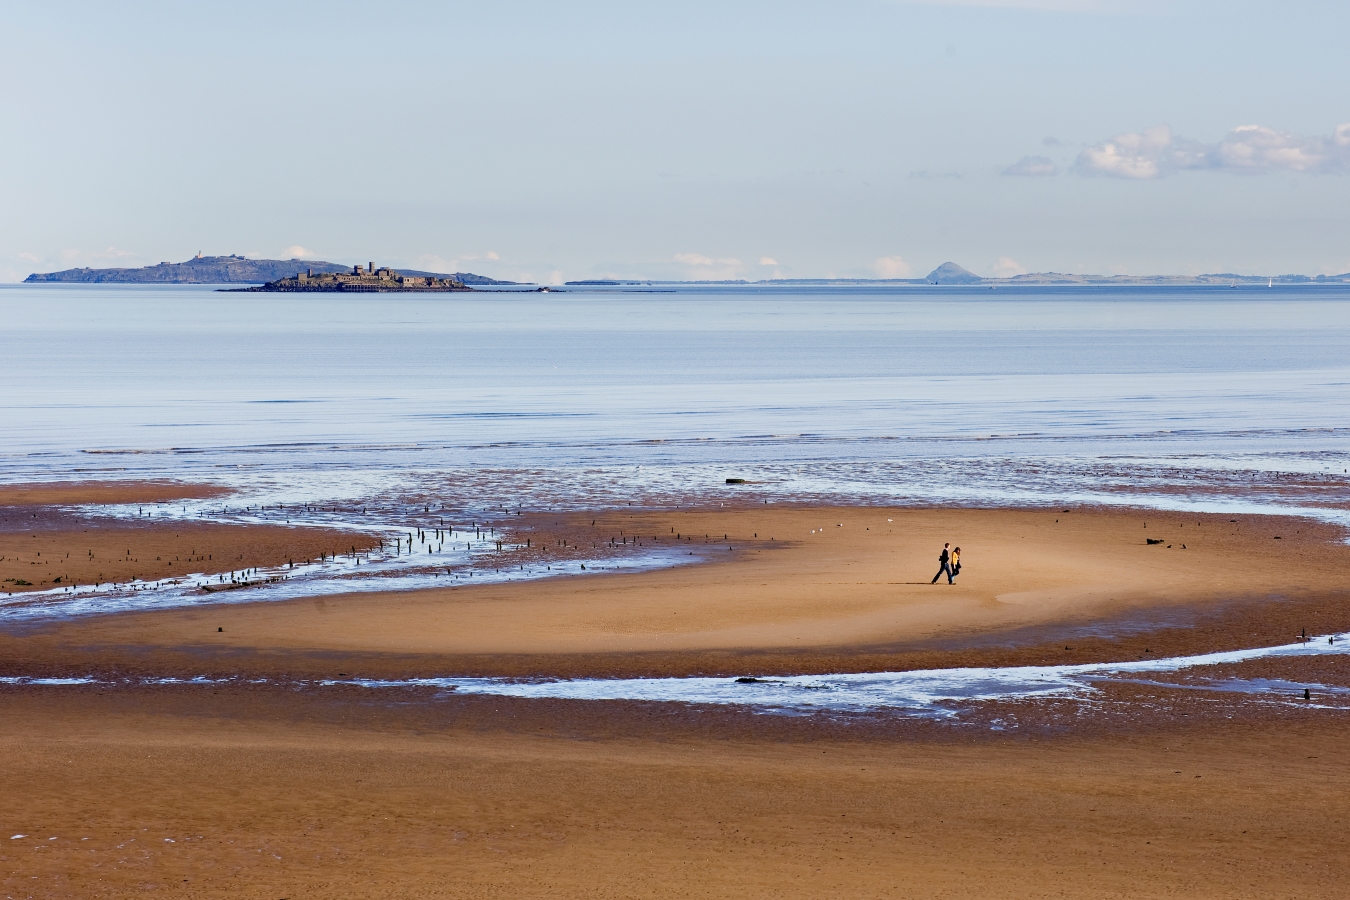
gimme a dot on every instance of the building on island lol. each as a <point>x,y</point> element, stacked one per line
<point>368,280</point>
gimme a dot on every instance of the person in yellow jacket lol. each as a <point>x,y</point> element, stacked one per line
<point>956,562</point>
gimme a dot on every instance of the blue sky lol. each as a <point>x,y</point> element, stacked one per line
<point>552,141</point>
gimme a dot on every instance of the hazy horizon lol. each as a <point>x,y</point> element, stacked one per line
<point>530,142</point>
<point>917,278</point>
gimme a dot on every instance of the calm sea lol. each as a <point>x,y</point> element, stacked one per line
<point>1190,397</point>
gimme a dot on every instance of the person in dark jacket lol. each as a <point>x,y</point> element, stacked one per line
<point>946,565</point>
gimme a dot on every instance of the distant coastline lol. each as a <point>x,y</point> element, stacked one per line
<point>227,270</point>
<point>241,270</point>
<point>951,273</point>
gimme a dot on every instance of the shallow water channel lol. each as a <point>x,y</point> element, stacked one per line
<point>923,693</point>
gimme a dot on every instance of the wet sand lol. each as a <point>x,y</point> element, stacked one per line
<point>42,548</point>
<point>268,794</point>
<point>61,493</point>
<point>771,597</point>
<point>266,790</point>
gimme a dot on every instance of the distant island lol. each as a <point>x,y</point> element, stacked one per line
<point>226,270</point>
<point>371,281</point>
<point>951,273</point>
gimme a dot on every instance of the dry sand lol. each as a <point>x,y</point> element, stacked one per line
<point>263,790</point>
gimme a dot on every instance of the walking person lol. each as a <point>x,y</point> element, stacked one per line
<point>956,563</point>
<point>945,566</point>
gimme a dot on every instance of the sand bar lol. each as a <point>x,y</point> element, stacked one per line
<point>790,589</point>
<point>47,542</point>
<point>64,493</point>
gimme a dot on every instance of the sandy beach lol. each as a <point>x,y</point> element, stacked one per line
<point>258,788</point>
<point>783,590</point>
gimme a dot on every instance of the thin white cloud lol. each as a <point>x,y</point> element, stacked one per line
<point>892,267</point>
<point>1033,166</point>
<point>1250,149</point>
<point>702,267</point>
<point>434,262</point>
<point>71,256</point>
<point>1007,267</point>
<point>295,251</point>
<point>767,261</point>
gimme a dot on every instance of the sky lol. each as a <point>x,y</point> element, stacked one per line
<point>555,141</point>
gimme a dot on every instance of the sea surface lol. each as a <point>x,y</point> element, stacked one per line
<point>915,394</point>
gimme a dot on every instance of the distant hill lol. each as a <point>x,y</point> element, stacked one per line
<point>464,277</point>
<point>951,273</point>
<point>222,270</point>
